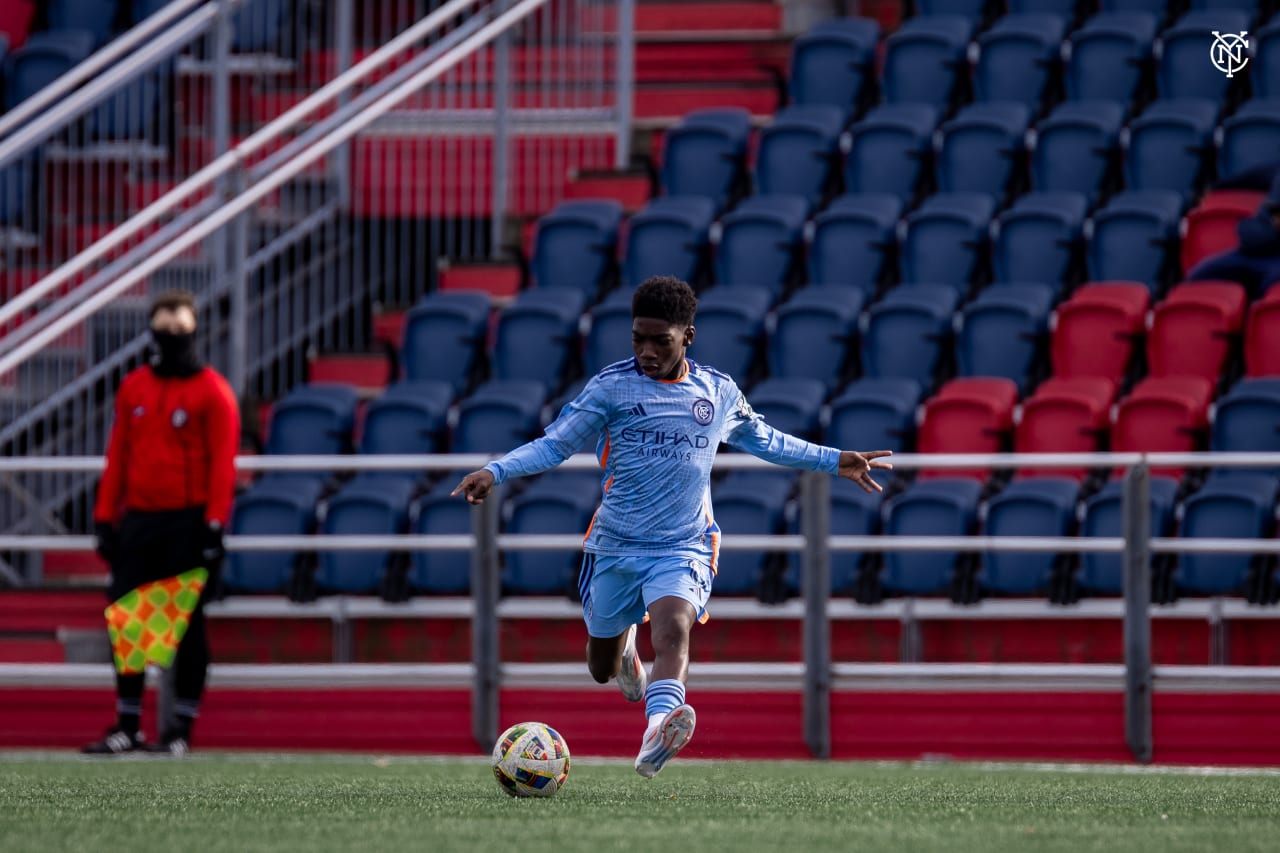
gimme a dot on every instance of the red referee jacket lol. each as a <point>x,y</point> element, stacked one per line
<point>173,445</point>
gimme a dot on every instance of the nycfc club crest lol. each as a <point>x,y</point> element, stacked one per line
<point>1227,53</point>
<point>179,419</point>
<point>704,412</point>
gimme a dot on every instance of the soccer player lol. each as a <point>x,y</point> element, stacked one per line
<point>657,420</point>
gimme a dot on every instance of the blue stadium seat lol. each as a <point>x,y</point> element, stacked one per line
<point>536,336</point>
<point>576,245</point>
<point>609,339</point>
<point>1250,7</point>
<point>889,148</point>
<point>409,418</point>
<point>791,405</point>
<point>1251,137</point>
<point>1181,69</point>
<point>1247,418</point>
<point>498,416</point>
<point>1134,237</point>
<point>730,329</point>
<point>435,514</point>
<point>1103,574</point>
<point>706,155</point>
<point>1065,9</point>
<point>1242,507</point>
<point>874,413</point>
<point>1266,60</point>
<point>981,149</point>
<point>903,334</point>
<point>1107,56</point>
<point>143,9</point>
<point>926,59</point>
<point>761,241</point>
<point>669,236</point>
<point>131,112</point>
<point>42,59</point>
<point>96,16</point>
<point>1004,330</point>
<point>853,513</point>
<point>1075,147</point>
<point>815,333</point>
<point>974,10</point>
<point>941,507</point>
<point>315,419</point>
<point>1166,147</point>
<point>558,502</point>
<point>1018,58</point>
<point>444,337</point>
<point>255,26</point>
<point>15,192</point>
<point>269,508</point>
<point>1159,8</point>
<point>370,507</point>
<point>852,241</point>
<point>1039,506</point>
<point>945,239</point>
<point>799,152</point>
<point>834,63</point>
<point>1039,237</point>
<point>748,504</point>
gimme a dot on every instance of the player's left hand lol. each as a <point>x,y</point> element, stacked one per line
<point>858,466</point>
<point>475,486</point>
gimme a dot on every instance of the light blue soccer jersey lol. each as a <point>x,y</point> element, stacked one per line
<point>656,440</point>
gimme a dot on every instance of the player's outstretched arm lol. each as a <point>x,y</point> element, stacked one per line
<point>858,466</point>
<point>475,486</point>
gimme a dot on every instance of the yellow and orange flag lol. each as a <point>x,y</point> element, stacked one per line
<point>146,624</point>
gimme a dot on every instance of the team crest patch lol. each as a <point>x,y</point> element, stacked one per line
<point>179,418</point>
<point>704,412</point>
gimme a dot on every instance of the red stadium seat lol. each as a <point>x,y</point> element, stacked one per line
<point>1211,225</point>
<point>1064,416</point>
<point>1095,330</point>
<point>968,416</point>
<point>1191,330</point>
<point>1164,413</point>
<point>1262,331</point>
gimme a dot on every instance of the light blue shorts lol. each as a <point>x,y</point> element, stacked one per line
<point>617,591</point>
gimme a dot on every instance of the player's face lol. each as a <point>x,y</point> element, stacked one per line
<point>659,347</point>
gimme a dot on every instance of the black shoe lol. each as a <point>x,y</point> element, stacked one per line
<point>173,745</point>
<point>114,742</point>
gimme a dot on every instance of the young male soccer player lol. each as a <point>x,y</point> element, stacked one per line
<point>657,420</point>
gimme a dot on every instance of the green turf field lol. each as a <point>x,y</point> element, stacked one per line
<point>331,803</point>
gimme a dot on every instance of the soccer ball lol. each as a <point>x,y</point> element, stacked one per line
<point>531,760</point>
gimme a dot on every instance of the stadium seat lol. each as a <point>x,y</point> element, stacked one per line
<point>1163,413</point>
<point>1064,416</point>
<point>537,335</point>
<point>904,334</point>
<point>95,16</point>
<point>1106,59</point>
<point>131,112</point>
<point>1038,239</point>
<point>761,241</point>
<point>1134,237</point>
<point>444,337</point>
<point>366,507</point>
<point>1262,330</point>
<point>706,155</point>
<point>256,25</point>
<point>1004,331</point>
<point>974,10</point>
<point>1266,60</point>
<point>1040,506</point>
<point>1250,138</point>
<point>1192,331</point>
<point>1181,71</point>
<point>15,193</point>
<point>143,9</point>
<point>1075,147</point>
<point>499,416</point>
<point>799,152</point>
<point>982,149</point>
<point>669,236</point>
<point>1065,9</point>
<point>944,241</point>
<point>1103,574</point>
<point>853,513</point>
<point>968,415</point>
<point>1166,148</point>
<point>558,502</point>
<point>1239,508</point>
<point>791,405</point>
<point>576,244</point>
<point>924,60</point>
<point>815,333</point>
<point>852,241</point>
<point>409,418</point>
<point>943,507</point>
<point>755,504</point>
<point>269,508</point>
<point>878,413</point>
<point>609,338</point>
<point>436,513</point>
<point>1247,419</point>
<point>1210,227</point>
<point>45,57</point>
<point>730,330</point>
<point>834,63</point>
<point>1018,58</point>
<point>1095,331</point>
<point>889,150</point>
<point>316,419</point>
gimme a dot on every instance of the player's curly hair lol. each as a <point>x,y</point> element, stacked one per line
<point>665,297</point>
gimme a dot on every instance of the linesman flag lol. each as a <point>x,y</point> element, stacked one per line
<point>146,624</point>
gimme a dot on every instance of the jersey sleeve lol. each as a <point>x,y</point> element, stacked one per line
<point>578,426</point>
<point>111,487</point>
<point>745,430</point>
<point>222,441</point>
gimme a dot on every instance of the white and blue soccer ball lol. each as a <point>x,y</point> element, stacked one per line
<point>531,760</point>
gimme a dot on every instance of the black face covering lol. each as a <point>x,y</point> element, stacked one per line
<point>174,355</point>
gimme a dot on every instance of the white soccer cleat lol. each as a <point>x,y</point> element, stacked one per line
<point>632,679</point>
<point>663,741</point>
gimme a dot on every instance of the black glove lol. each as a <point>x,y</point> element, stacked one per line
<point>107,540</point>
<point>211,547</point>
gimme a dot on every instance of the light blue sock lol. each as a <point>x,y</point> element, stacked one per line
<point>662,697</point>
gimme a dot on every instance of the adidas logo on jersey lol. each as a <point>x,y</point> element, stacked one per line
<point>638,409</point>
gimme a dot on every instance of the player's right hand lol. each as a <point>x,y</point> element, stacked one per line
<point>475,486</point>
